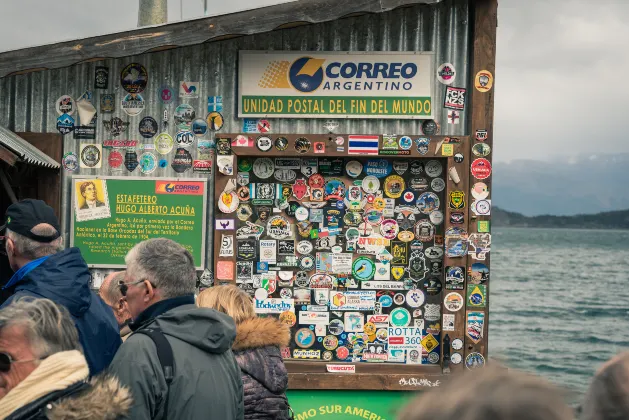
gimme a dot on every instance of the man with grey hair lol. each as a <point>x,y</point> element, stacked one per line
<point>44,269</point>
<point>607,397</point>
<point>110,293</point>
<point>178,362</point>
<point>43,373</point>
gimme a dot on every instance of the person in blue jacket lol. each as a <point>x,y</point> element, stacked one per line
<point>44,269</point>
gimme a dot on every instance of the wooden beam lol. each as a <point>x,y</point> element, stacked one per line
<point>8,156</point>
<point>483,59</point>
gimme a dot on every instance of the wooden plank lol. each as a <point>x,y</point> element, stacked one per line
<point>48,180</point>
<point>190,32</point>
<point>7,156</point>
<point>483,58</point>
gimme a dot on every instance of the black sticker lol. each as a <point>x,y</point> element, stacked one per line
<point>247,249</point>
<point>101,77</point>
<point>182,160</point>
<point>85,132</point>
<point>286,247</point>
<point>148,127</point>
<point>131,160</point>
<point>223,147</point>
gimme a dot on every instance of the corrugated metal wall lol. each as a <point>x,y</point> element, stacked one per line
<point>27,101</point>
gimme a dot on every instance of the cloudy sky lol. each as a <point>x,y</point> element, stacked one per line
<point>559,77</point>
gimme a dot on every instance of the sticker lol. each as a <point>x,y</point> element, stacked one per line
<point>429,343</point>
<point>405,143</point>
<point>91,156</point>
<point>433,168</point>
<point>406,236</point>
<point>214,103</point>
<point>399,317</point>
<point>415,298</point>
<point>481,149</point>
<point>147,162</point>
<point>380,168</point>
<point>302,145</point>
<point>457,200</point>
<point>309,167</point>
<point>363,145</point>
<point>447,150</point>
<point>334,189</point>
<point>454,98</point>
<point>424,231</point>
<point>306,262</point>
<point>456,242</point>
<point>264,144</point>
<point>70,162</point>
<point>65,105</point>
<point>480,191</point>
<point>417,266</point>
<point>474,361</point>
<point>352,300</point>
<point>455,278</point>
<point>301,214</point>
<point>481,207</point>
<point>363,268</point>
<point>457,218</point>
<point>447,322</point>
<point>199,127</point>
<point>134,78</point>
<point>438,185</point>
<point>389,229</point>
<point>430,127</point>
<point>188,90</point>
<point>483,81</point>
<point>133,104</point>
<point>184,114</point>
<point>244,211</point>
<point>305,338</point>
<point>101,77</point>
<point>475,325</point>
<point>281,143</point>
<point>389,142</point>
<point>268,251</point>
<point>107,103</point>
<point>131,160</point>
<point>427,203</point>
<point>446,73</point>
<point>215,121</point>
<point>319,147</point>
<point>228,202</point>
<point>453,302</point>
<point>263,168</point>
<point>278,227</point>
<point>453,116</point>
<point>433,286</point>
<point>182,161</point>
<point>477,296</point>
<point>166,94</point>
<point>184,138</point>
<point>480,244</point>
<point>479,274</point>
<point>225,164</point>
<point>481,168</point>
<point>393,186</point>
<point>224,224</point>
<point>65,124</point>
<point>354,321</point>
<point>227,247</point>
<point>481,135</point>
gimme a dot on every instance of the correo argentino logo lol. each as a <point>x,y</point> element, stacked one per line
<point>304,74</point>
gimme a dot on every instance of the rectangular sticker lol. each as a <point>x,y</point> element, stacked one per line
<point>274,306</point>
<point>448,322</point>
<point>353,300</point>
<point>306,354</point>
<point>268,251</point>
<point>314,318</point>
<point>227,246</point>
<point>341,368</point>
<point>384,285</point>
<point>404,338</point>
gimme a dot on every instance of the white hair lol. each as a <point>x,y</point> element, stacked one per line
<point>32,249</point>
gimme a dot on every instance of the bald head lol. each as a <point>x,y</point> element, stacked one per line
<point>607,397</point>
<point>110,292</point>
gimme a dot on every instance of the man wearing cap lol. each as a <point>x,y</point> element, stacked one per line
<point>43,268</point>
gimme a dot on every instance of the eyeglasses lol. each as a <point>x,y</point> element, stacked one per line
<point>6,360</point>
<point>124,287</point>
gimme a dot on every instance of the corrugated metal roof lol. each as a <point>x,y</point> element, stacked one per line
<point>25,150</point>
<point>191,32</point>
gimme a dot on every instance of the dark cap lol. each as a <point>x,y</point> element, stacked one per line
<point>23,216</point>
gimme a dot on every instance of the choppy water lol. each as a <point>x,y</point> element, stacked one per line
<point>559,301</point>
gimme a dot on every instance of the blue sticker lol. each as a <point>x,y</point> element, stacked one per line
<point>340,205</point>
<point>343,336</point>
<point>304,307</point>
<point>380,168</point>
<point>320,339</point>
<point>262,267</point>
<point>163,163</point>
<point>422,145</point>
<point>199,126</point>
<point>214,103</point>
<point>65,124</point>
<point>405,143</point>
<point>250,126</point>
<point>311,327</point>
<point>386,301</point>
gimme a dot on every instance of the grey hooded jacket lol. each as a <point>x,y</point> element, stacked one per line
<point>206,384</point>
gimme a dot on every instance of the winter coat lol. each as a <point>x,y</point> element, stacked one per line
<point>65,279</point>
<point>206,383</point>
<point>264,376</point>
<point>102,398</point>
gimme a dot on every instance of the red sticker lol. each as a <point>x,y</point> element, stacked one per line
<point>342,353</point>
<point>115,159</point>
<point>319,147</point>
<point>481,168</point>
<point>264,126</point>
<point>225,270</point>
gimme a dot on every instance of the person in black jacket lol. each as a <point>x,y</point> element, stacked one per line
<point>257,350</point>
<point>44,375</point>
<point>44,269</point>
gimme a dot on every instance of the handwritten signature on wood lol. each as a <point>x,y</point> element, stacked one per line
<point>419,382</point>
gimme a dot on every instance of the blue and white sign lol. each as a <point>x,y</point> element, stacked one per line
<point>380,168</point>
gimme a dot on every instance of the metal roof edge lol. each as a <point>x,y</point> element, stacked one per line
<point>26,151</point>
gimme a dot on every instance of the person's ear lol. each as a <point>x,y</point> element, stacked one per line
<point>150,291</point>
<point>10,247</point>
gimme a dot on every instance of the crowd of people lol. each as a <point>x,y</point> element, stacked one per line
<point>145,348</point>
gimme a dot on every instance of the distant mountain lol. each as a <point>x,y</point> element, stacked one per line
<point>581,185</point>
<point>607,220</point>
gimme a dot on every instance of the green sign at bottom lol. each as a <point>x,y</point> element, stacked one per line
<point>341,405</point>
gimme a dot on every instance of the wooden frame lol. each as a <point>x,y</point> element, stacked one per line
<point>389,376</point>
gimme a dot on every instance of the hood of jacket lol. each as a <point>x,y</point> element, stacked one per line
<point>261,332</point>
<point>257,351</point>
<point>63,278</point>
<point>204,328</point>
<point>105,399</point>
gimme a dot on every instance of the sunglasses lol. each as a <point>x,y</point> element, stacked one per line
<point>6,360</point>
<point>124,287</point>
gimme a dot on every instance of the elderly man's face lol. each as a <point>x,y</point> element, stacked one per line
<point>14,342</point>
<point>90,192</point>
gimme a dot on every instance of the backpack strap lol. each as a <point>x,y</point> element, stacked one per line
<point>164,352</point>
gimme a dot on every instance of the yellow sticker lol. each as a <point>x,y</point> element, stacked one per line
<point>378,203</point>
<point>369,328</point>
<point>394,186</point>
<point>484,81</point>
<point>447,150</point>
<point>397,272</point>
<point>429,343</point>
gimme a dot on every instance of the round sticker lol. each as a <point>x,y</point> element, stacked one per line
<point>456,358</point>
<point>163,163</point>
<point>263,168</point>
<point>382,334</point>
<point>327,356</point>
<point>244,211</point>
<point>369,328</point>
<point>281,143</point>
<point>243,193</point>
<point>436,217</point>
<point>433,286</point>
<point>330,342</point>
<point>483,81</point>
<point>386,301</point>
<point>165,94</point>
<point>302,145</point>
<point>418,184</point>
<point>428,202</point>
<point>430,127</point>
<point>133,104</point>
<point>304,338</point>
<point>301,214</point>
<point>365,229</point>
<point>453,302</point>
<point>446,73</point>
<point>134,78</point>
<point>90,155</point>
<point>474,361</point>
<point>371,184</point>
<point>458,158</point>
<point>184,114</point>
<point>417,167</point>
<point>148,162</point>
<point>304,247</point>
<point>115,159</point>
<point>278,227</point>
<point>481,168</point>
<point>261,294</point>
<point>148,127</point>
<point>480,191</point>
<point>286,293</point>
<point>164,143</point>
<point>374,217</point>
<point>342,353</point>
<point>379,203</point>
<point>71,162</point>
<point>65,105</point>
<point>481,149</point>
<point>389,229</point>
<point>264,144</point>
<point>408,197</point>
<point>433,357</point>
<point>306,262</point>
<point>336,327</point>
<point>400,317</point>
<point>438,185</point>
<point>228,202</point>
<point>353,168</point>
<point>245,165</point>
<point>457,344</point>
<point>214,121</point>
<point>405,143</point>
<point>415,298</point>
<point>424,231</point>
<point>182,160</point>
<point>287,317</point>
<point>199,127</point>
<point>399,299</point>
<point>316,181</point>
<point>406,236</point>
<point>184,138</point>
<point>394,186</point>
<point>433,168</point>
<point>363,268</point>
<point>434,253</point>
